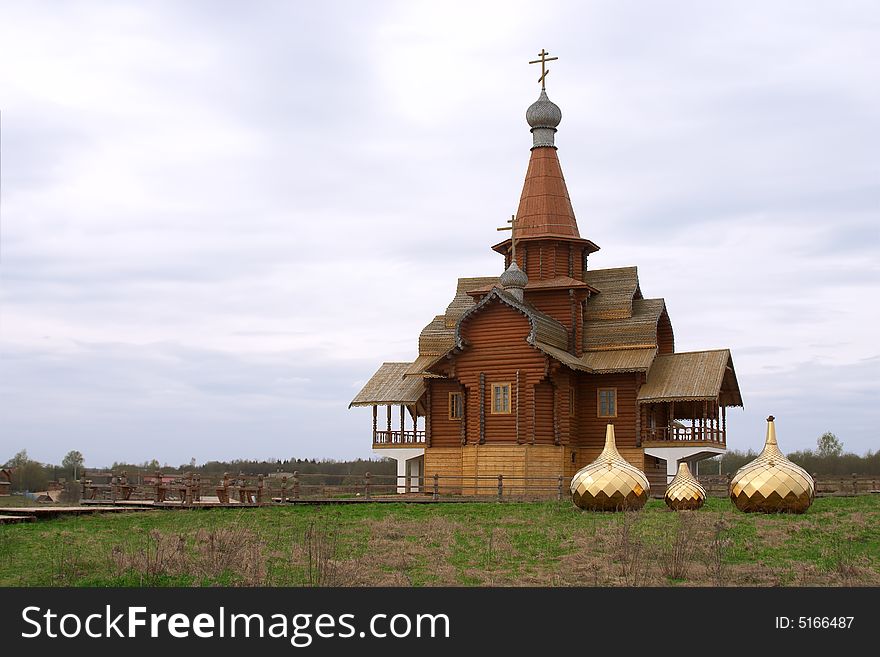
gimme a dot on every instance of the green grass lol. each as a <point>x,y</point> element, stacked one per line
<point>550,543</point>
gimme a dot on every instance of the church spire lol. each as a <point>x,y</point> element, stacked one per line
<point>545,213</point>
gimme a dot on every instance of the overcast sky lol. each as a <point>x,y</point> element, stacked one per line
<point>219,218</point>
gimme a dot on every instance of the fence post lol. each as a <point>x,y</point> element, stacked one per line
<point>296,484</point>
<point>367,485</point>
<point>82,484</point>
<point>855,484</point>
<point>559,488</point>
<point>436,486</point>
<point>500,486</point>
<point>113,480</point>
<point>260,485</point>
<point>159,486</point>
<point>283,489</point>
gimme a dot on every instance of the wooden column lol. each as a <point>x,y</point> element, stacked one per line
<point>483,407</point>
<point>402,416</point>
<point>724,422</point>
<point>638,417</point>
<point>388,419</point>
<point>583,324</point>
<point>534,413</point>
<point>463,414</point>
<point>556,440</point>
<point>375,419</point>
<point>703,420</point>
<point>516,409</point>
<point>671,422</point>
<point>572,340</point>
<point>428,417</point>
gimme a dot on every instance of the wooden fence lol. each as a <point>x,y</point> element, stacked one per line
<point>192,489</point>
<point>251,490</point>
<point>826,485</point>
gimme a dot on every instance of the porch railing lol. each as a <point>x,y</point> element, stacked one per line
<point>399,438</point>
<point>673,434</point>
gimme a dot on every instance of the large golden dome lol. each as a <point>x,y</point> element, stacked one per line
<point>684,492</point>
<point>609,483</point>
<point>771,483</point>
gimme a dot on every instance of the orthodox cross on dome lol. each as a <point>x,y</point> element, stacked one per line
<point>512,228</point>
<point>543,61</point>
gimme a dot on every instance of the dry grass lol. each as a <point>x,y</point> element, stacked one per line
<point>233,555</point>
<point>542,544</point>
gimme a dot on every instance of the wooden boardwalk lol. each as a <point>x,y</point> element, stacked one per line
<point>42,512</point>
<point>9,520</point>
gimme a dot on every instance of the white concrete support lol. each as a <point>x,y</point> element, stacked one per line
<point>674,455</point>
<point>409,464</point>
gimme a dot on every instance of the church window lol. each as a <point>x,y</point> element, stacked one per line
<point>501,398</point>
<point>607,403</point>
<point>455,406</point>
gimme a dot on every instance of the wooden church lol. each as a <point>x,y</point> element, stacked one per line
<point>522,372</point>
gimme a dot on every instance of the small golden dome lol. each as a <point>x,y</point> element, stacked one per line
<point>684,492</point>
<point>610,483</point>
<point>771,483</point>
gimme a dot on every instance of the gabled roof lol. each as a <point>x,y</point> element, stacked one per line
<point>462,300</point>
<point>438,337</point>
<point>389,386</point>
<point>617,287</point>
<point>692,376</point>
<point>638,330</point>
<point>545,329</point>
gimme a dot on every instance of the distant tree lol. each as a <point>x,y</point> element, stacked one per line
<point>18,460</point>
<point>829,445</point>
<point>73,461</point>
<point>27,474</point>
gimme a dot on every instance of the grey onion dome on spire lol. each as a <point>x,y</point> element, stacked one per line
<point>513,280</point>
<point>543,116</point>
<point>544,113</point>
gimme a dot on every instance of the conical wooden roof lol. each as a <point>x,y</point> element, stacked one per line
<point>544,206</point>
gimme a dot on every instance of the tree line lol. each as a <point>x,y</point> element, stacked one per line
<point>30,475</point>
<point>828,458</point>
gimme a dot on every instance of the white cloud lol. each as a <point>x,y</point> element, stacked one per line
<point>217,223</point>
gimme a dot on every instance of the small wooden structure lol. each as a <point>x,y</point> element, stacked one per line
<point>5,481</point>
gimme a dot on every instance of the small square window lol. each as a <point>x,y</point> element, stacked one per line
<point>501,398</point>
<point>607,402</point>
<point>456,410</point>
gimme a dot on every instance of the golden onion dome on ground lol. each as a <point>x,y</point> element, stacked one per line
<point>771,483</point>
<point>610,483</point>
<point>684,492</point>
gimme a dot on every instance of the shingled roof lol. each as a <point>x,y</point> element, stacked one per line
<point>617,287</point>
<point>389,386</point>
<point>603,362</point>
<point>692,376</point>
<point>639,330</point>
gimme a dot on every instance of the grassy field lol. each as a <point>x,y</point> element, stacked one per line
<point>513,544</point>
